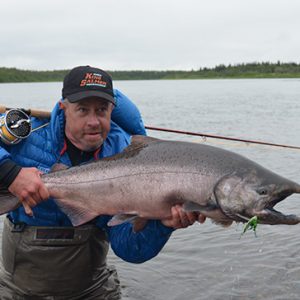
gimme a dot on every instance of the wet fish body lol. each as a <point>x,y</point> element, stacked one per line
<point>152,175</point>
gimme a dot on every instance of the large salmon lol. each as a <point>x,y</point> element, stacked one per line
<point>151,175</point>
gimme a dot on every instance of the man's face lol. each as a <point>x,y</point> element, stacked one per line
<point>87,122</point>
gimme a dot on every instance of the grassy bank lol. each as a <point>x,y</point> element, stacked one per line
<point>249,70</point>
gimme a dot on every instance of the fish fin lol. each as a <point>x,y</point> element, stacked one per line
<point>139,224</point>
<point>58,167</point>
<point>210,211</point>
<point>138,142</point>
<point>190,206</point>
<point>121,218</point>
<point>76,211</point>
<point>142,140</point>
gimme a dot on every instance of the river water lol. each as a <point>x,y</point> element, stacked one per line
<point>207,261</point>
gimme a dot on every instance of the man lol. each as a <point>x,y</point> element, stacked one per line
<point>44,257</point>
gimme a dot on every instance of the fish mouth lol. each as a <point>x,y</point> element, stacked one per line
<point>266,215</point>
<point>269,215</point>
<point>272,217</point>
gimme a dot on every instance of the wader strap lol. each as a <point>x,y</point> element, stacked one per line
<point>58,261</point>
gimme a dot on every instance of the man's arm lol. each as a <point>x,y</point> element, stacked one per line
<point>138,247</point>
<point>25,183</point>
<point>9,170</point>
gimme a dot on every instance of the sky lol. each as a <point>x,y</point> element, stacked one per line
<point>147,35</point>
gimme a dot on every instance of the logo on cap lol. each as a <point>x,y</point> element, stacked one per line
<point>93,79</point>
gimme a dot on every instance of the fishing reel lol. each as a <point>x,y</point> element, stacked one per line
<point>15,125</point>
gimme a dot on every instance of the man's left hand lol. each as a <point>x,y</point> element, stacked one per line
<point>182,219</point>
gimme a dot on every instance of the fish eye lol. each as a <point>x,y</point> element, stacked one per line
<point>262,191</point>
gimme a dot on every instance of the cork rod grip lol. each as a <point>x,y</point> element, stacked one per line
<point>3,109</point>
<point>41,114</point>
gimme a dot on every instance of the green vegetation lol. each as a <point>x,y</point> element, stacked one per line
<point>248,70</point>
<point>16,75</point>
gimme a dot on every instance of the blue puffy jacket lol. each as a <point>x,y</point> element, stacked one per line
<point>43,148</point>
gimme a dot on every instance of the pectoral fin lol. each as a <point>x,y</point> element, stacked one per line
<point>76,211</point>
<point>193,206</point>
<point>211,211</point>
<point>137,222</point>
<point>121,218</point>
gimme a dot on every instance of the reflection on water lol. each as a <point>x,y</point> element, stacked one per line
<point>207,261</point>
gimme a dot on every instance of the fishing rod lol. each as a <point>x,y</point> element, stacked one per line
<point>41,114</point>
<point>15,125</point>
<point>221,137</point>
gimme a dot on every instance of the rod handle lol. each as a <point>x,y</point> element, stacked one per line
<point>3,109</point>
<point>41,114</point>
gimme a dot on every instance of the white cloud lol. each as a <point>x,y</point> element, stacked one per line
<point>144,34</point>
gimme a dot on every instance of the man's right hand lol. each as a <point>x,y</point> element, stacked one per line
<point>29,188</point>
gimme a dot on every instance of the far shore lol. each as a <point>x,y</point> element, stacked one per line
<point>240,71</point>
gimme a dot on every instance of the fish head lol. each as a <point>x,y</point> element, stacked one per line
<point>243,196</point>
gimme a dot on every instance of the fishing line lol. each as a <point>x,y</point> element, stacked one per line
<point>204,135</point>
<point>13,132</point>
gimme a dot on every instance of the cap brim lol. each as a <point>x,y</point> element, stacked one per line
<point>87,94</point>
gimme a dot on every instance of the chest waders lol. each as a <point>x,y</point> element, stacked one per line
<point>56,263</point>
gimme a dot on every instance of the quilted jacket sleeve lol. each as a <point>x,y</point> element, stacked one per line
<point>141,246</point>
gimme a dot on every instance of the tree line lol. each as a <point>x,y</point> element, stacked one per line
<point>244,70</point>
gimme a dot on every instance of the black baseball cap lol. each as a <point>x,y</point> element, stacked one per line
<point>85,81</point>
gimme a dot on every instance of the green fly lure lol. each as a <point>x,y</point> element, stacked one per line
<point>251,225</point>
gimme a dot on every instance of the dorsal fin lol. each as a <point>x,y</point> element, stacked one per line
<point>138,142</point>
<point>142,139</point>
<point>58,167</point>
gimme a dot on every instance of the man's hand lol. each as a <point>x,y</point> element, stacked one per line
<point>29,188</point>
<point>181,219</point>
